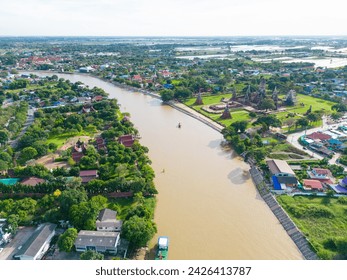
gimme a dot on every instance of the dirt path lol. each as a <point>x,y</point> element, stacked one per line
<point>48,160</point>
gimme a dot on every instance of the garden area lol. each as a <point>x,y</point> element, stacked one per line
<point>323,220</point>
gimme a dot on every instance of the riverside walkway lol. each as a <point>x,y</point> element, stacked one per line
<point>289,226</point>
<point>291,229</point>
<point>192,113</point>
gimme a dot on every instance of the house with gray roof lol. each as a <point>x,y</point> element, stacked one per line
<point>99,241</point>
<point>282,175</point>
<point>280,168</point>
<point>37,244</point>
<point>107,221</point>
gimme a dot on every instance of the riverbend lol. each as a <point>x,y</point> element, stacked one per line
<point>207,203</point>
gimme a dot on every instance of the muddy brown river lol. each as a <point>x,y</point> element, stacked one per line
<point>207,202</point>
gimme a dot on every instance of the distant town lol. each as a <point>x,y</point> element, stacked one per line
<point>76,183</point>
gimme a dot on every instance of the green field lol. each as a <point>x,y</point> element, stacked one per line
<point>237,114</point>
<point>240,114</point>
<point>317,105</point>
<point>323,220</point>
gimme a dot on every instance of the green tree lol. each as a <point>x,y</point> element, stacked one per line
<point>336,115</point>
<point>167,95</point>
<point>302,122</point>
<point>3,136</point>
<point>3,165</point>
<point>67,239</point>
<point>12,223</point>
<point>5,157</point>
<point>27,154</point>
<point>83,215</point>
<point>91,255</point>
<point>268,120</point>
<point>239,126</point>
<point>138,231</point>
<point>71,197</point>
<point>267,104</point>
<point>339,107</point>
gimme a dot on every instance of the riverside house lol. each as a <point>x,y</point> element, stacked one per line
<point>283,176</point>
<point>100,241</point>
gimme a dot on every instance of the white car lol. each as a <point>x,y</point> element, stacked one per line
<point>1,249</point>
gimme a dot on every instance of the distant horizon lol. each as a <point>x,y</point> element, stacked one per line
<point>173,36</point>
<point>172,18</point>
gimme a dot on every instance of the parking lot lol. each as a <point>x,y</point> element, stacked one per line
<point>18,240</point>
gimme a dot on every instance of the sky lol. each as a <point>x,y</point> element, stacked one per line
<point>172,17</point>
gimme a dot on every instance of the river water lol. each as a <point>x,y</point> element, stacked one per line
<point>207,203</point>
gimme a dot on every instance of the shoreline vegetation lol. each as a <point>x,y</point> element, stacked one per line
<point>208,121</point>
<point>120,175</point>
<point>297,233</point>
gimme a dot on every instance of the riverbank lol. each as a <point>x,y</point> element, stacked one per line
<point>201,177</point>
<point>289,226</point>
<point>174,104</point>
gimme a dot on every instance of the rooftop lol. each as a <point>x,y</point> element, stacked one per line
<point>96,238</point>
<point>279,166</point>
<point>32,181</point>
<point>313,184</point>
<point>36,240</point>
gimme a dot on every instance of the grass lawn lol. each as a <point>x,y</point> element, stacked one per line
<point>237,114</point>
<point>240,114</point>
<point>321,219</point>
<point>59,140</point>
<point>123,205</point>
<point>317,104</point>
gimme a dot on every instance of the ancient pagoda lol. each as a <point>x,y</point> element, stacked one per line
<point>198,100</point>
<point>275,98</point>
<point>226,114</point>
<point>247,99</point>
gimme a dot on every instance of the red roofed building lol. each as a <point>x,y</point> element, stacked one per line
<point>32,181</point>
<point>166,74</point>
<point>137,78</point>
<point>88,175</point>
<point>319,136</point>
<point>76,156</point>
<point>78,151</point>
<point>98,98</point>
<point>100,144</point>
<point>314,185</point>
<point>321,174</point>
<point>127,140</point>
<point>87,109</point>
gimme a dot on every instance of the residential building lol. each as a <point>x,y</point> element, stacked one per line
<point>280,168</point>
<point>32,181</point>
<point>88,175</point>
<point>99,241</point>
<point>312,185</point>
<point>283,176</point>
<point>37,244</point>
<point>107,221</point>
<point>127,140</point>
<point>319,136</point>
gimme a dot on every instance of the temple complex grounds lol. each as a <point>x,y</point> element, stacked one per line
<point>213,107</point>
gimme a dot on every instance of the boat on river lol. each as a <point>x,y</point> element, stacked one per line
<point>163,248</point>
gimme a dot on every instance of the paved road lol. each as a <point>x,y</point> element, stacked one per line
<point>294,137</point>
<point>29,121</point>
